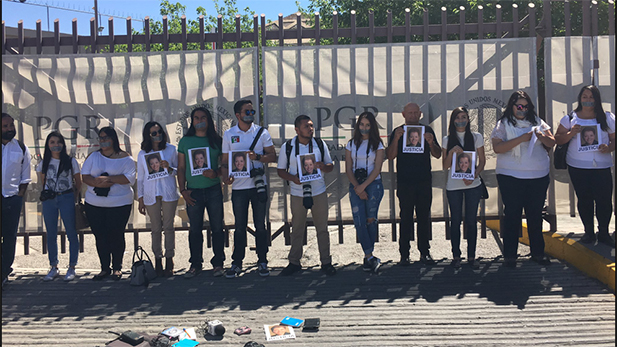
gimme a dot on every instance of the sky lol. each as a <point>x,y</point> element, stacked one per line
<point>31,10</point>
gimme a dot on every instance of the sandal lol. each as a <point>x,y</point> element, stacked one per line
<point>117,275</point>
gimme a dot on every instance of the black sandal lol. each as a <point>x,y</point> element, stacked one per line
<point>101,275</point>
<point>117,275</point>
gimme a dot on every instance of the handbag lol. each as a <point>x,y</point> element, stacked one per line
<point>484,194</point>
<point>560,153</point>
<point>81,220</point>
<point>142,271</point>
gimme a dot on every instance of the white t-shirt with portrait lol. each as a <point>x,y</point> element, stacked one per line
<point>585,160</point>
<point>455,184</point>
<point>318,186</point>
<point>359,157</point>
<point>63,181</point>
<point>235,140</point>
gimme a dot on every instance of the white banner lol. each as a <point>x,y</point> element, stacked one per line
<point>78,94</point>
<point>333,84</point>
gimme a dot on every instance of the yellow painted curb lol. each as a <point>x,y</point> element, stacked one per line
<point>581,257</point>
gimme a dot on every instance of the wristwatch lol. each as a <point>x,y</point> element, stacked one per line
<point>257,156</point>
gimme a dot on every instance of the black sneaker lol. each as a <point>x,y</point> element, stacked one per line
<point>606,239</point>
<point>290,269</point>
<point>588,238</point>
<point>510,262</point>
<point>328,269</point>
<point>426,259</point>
<point>473,263</point>
<point>375,264</point>
<point>404,261</point>
<point>541,259</point>
<point>233,272</point>
<point>263,270</point>
<point>456,263</point>
<point>366,266</point>
<point>193,271</point>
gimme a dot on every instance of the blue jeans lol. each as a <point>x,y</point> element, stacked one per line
<point>65,205</point>
<point>455,200</point>
<point>11,209</point>
<point>210,198</point>
<point>240,200</point>
<point>363,210</point>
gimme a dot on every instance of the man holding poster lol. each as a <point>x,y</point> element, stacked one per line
<point>248,140</point>
<point>200,150</point>
<point>414,184</point>
<point>306,195</point>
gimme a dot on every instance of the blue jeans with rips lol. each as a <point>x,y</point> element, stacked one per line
<point>210,198</point>
<point>363,210</point>
<point>65,206</point>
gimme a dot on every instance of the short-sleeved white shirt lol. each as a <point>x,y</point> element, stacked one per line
<point>119,194</point>
<point>359,157</point>
<point>235,140</point>
<point>318,186</point>
<point>63,181</point>
<point>454,184</point>
<point>585,160</point>
<point>536,165</point>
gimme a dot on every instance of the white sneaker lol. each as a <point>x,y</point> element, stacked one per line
<point>51,275</point>
<point>70,274</point>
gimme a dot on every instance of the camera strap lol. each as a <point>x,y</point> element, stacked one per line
<point>261,130</point>
<point>368,150</point>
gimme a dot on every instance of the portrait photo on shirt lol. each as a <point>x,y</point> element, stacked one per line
<point>463,166</point>
<point>414,139</point>
<point>240,164</point>
<point>200,160</point>
<point>308,170</point>
<point>155,170</point>
<point>588,138</point>
<point>279,332</point>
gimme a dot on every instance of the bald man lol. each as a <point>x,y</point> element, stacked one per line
<point>414,184</point>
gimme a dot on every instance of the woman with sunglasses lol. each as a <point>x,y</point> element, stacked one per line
<point>522,174</point>
<point>590,172</point>
<point>109,174</point>
<point>159,197</point>
<point>60,175</point>
<point>460,138</point>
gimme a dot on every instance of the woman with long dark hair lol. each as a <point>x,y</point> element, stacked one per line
<point>59,174</point>
<point>159,197</point>
<point>522,174</point>
<point>202,190</point>
<point>109,174</point>
<point>460,138</point>
<point>590,171</point>
<point>364,156</point>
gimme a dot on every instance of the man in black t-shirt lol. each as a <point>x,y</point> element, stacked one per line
<point>414,184</point>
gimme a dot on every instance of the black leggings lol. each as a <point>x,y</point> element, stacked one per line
<point>108,225</point>
<point>593,185</point>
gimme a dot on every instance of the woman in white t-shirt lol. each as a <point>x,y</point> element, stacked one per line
<point>521,141</point>
<point>159,197</point>
<point>461,139</point>
<point>59,174</point>
<point>590,171</point>
<point>109,174</point>
<point>364,156</point>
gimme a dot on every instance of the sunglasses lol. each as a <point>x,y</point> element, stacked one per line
<point>103,138</point>
<point>521,107</point>
<point>250,112</point>
<point>156,132</point>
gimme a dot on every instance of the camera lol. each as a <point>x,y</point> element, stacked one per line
<point>215,328</point>
<point>307,193</point>
<point>47,194</point>
<point>258,179</point>
<point>102,191</point>
<point>360,175</point>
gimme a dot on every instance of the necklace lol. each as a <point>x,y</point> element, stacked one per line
<point>108,156</point>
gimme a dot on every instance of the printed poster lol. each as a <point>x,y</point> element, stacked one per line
<point>414,139</point>
<point>279,332</point>
<point>155,170</point>
<point>239,163</point>
<point>200,160</point>
<point>463,166</point>
<point>589,139</point>
<point>307,169</point>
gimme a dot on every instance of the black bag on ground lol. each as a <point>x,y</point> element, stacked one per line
<point>142,271</point>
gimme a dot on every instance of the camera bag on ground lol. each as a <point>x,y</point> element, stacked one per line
<point>142,271</point>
